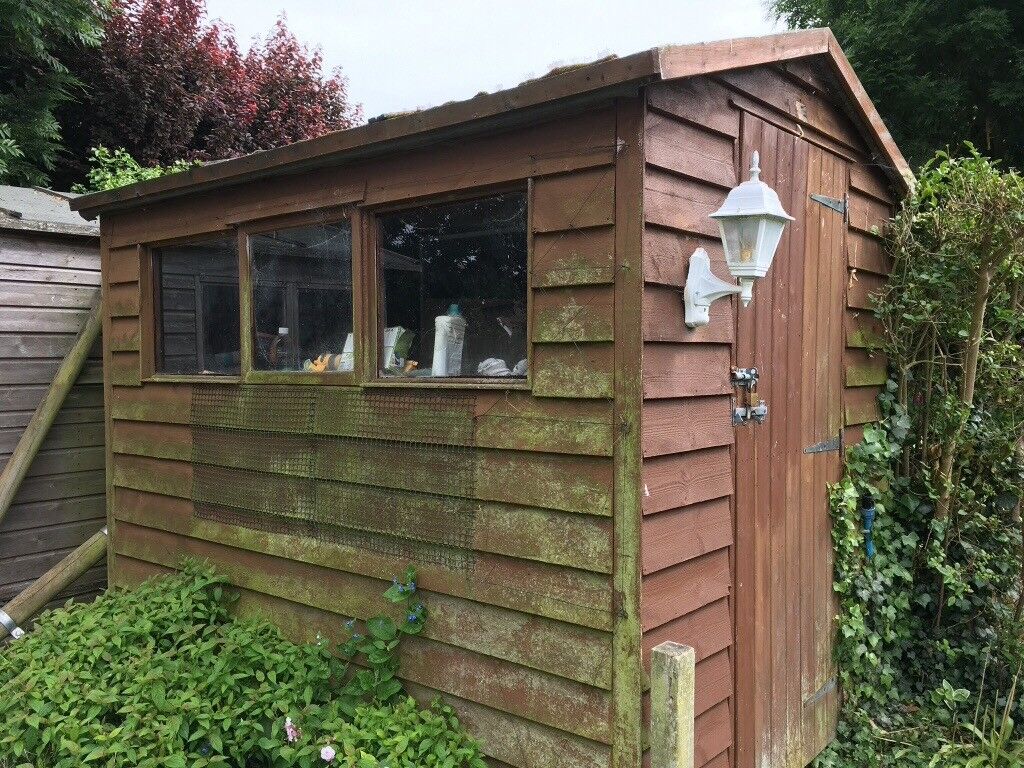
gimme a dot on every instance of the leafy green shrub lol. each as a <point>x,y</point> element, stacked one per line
<point>164,676</point>
<point>934,623</point>
<point>111,169</point>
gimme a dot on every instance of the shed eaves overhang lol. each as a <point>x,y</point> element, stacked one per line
<point>484,111</point>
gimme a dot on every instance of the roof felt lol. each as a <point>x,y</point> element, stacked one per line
<point>42,210</point>
<point>488,110</point>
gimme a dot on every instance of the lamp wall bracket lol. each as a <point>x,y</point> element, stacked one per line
<point>702,289</point>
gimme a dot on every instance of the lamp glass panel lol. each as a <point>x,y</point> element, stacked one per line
<point>772,234</point>
<point>740,239</point>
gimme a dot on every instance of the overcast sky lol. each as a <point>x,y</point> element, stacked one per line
<point>406,54</point>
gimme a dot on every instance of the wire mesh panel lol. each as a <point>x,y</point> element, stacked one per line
<point>377,472</point>
<point>262,409</point>
<point>406,416</point>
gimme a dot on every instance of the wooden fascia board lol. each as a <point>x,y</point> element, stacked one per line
<point>493,111</point>
<point>877,132</point>
<point>679,61</point>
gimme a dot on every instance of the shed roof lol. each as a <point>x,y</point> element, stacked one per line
<point>487,110</point>
<point>42,210</point>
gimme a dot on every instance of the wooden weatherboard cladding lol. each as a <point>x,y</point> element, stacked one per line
<point>697,538</point>
<point>503,499</point>
<point>565,524</point>
<point>48,283</point>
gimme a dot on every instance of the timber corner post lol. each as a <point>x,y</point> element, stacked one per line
<point>672,713</point>
<point>627,679</point>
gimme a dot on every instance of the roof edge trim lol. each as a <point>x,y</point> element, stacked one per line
<point>666,63</point>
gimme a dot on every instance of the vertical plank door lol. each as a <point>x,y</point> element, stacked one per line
<point>793,334</point>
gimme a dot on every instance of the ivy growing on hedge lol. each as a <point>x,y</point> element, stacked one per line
<point>931,638</point>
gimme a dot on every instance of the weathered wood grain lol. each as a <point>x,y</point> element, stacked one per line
<point>707,630</point>
<point>686,478</point>
<point>683,588</point>
<point>573,370</point>
<point>664,318</point>
<point>862,330</point>
<point>573,314</point>
<point>566,594</point>
<point>674,536</point>
<point>686,370</point>
<point>573,257</point>
<point>862,288</point>
<point>574,200</point>
<point>680,204</point>
<point>667,255</point>
<point>686,424</point>
<point>689,150</point>
<point>698,100</point>
<point>864,369</point>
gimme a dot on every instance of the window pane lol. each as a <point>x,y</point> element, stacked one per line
<point>197,308</point>
<point>453,278</point>
<point>302,298</point>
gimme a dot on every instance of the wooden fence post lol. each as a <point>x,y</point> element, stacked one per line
<point>30,600</point>
<point>672,688</point>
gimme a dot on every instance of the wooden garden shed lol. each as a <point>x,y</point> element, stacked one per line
<point>455,338</point>
<point>49,278</point>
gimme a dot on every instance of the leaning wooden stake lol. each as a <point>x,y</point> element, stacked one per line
<point>31,600</point>
<point>38,426</point>
<point>672,688</point>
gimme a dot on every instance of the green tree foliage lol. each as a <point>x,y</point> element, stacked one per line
<point>168,83</point>
<point>35,82</point>
<point>164,676</point>
<point>931,636</point>
<point>940,72</point>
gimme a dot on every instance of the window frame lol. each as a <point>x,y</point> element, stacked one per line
<point>367,307</point>
<point>251,375</point>
<point>150,316</point>
<point>375,301</point>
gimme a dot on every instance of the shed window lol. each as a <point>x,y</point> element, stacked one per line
<point>302,298</point>
<point>197,314</point>
<point>453,281</point>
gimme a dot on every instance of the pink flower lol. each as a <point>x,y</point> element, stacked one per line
<point>291,731</point>
<point>327,753</point>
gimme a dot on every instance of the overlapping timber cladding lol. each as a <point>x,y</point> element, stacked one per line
<point>49,279</point>
<point>455,338</point>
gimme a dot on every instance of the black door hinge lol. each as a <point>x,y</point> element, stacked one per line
<point>827,445</point>
<point>836,204</point>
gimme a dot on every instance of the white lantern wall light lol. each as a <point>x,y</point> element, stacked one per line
<point>751,222</point>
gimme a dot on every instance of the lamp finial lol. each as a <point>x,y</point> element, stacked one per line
<point>755,166</point>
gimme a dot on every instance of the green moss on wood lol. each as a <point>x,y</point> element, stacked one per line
<point>870,374</point>
<point>573,321</point>
<point>558,378</point>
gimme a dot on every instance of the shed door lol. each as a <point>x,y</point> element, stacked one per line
<point>793,333</point>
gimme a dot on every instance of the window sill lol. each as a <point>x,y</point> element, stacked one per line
<point>304,378</point>
<point>427,383</point>
<point>191,378</point>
